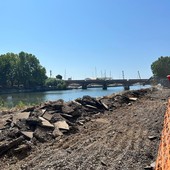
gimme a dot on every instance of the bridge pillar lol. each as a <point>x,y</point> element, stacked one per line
<point>105,86</point>
<point>126,87</point>
<point>84,86</point>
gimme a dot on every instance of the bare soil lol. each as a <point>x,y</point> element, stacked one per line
<point>126,138</point>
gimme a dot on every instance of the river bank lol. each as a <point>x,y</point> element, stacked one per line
<point>120,132</point>
<point>28,90</point>
<point>31,98</point>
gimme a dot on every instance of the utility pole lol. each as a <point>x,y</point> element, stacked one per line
<point>50,73</point>
<point>123,75</point>
<point>101,74</point>
<point>105,74</point>
<point>95,72</point>
<point>139,75</point>
<point>65,74</point>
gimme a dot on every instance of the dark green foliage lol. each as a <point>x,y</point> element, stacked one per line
<point>21,69</point>
<point>161,67</point>
<point>59,77</point>
<point>53,82</point>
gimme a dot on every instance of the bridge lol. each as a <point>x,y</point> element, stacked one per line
<point>126,83</point>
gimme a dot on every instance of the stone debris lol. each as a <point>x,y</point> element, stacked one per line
<point>153,165</point>
<point>22,148</point>
<point>27,134</point>
<point>51,119</point>
<point>46,123</point>
<point>152,137</point>
<point>133,98</point>
<point>62,125</point>
<point>57,132</point>
<point>2,124</point>
<point>19,116</point>
<point>47,116</point>
<point>4,147</point>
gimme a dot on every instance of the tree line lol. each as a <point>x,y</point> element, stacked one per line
<point>161,67</point>
<point>24,70</point>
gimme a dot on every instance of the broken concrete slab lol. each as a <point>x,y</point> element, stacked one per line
<point>57,117</point>
<point>13,133</point>
<point>148,168</point>
<point>66,115</point>
<point>33,121</point>
<point>2,124</point>
<point>57,132</point>
<point>67,109</point>
<point>77,103</point>
<point>43,134</point>
<point>152,137</point>
<point>21,115</point>
<point>29,109</point>
<point>102,120</point>
<point>133,98</point>
<point>55,105</point>
<point>87,100</point>
<point>62,125</point>
<point>27,134</point>
<point>104,105</point>
<point>47,116</point>
<point>4,147</point>
<point>46,123</point>
<point>90,106</point>
<point>43,111</point>
<point>22,148</point>
<point>153,165</point>
<point>21,124</point>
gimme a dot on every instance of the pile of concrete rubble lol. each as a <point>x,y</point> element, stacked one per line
<point>21,130</point>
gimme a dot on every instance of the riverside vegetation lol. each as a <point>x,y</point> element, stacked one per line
<point>24,71</point>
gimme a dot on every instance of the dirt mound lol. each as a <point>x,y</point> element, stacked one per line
<point>113,132</point>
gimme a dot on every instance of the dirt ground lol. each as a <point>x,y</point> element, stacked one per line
<point>126,138</point>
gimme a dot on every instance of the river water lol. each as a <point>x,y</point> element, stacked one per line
<point>11,100</point>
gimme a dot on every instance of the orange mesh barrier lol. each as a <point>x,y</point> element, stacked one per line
<point>163,158</point>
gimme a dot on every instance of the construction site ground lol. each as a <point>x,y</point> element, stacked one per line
<point>126,138</point>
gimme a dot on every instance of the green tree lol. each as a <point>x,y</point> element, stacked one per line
<point>53,82</point>
<point>59,77</point>
<point>7,69</point>
<point>161,67</point>
<point>30,72</point>
<point>21,69</point>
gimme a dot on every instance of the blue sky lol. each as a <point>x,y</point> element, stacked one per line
<point>86,38</point>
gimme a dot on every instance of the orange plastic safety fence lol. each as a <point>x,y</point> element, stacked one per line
<point>163,158</point>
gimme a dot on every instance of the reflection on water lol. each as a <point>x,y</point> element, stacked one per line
<point>11,100</point>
